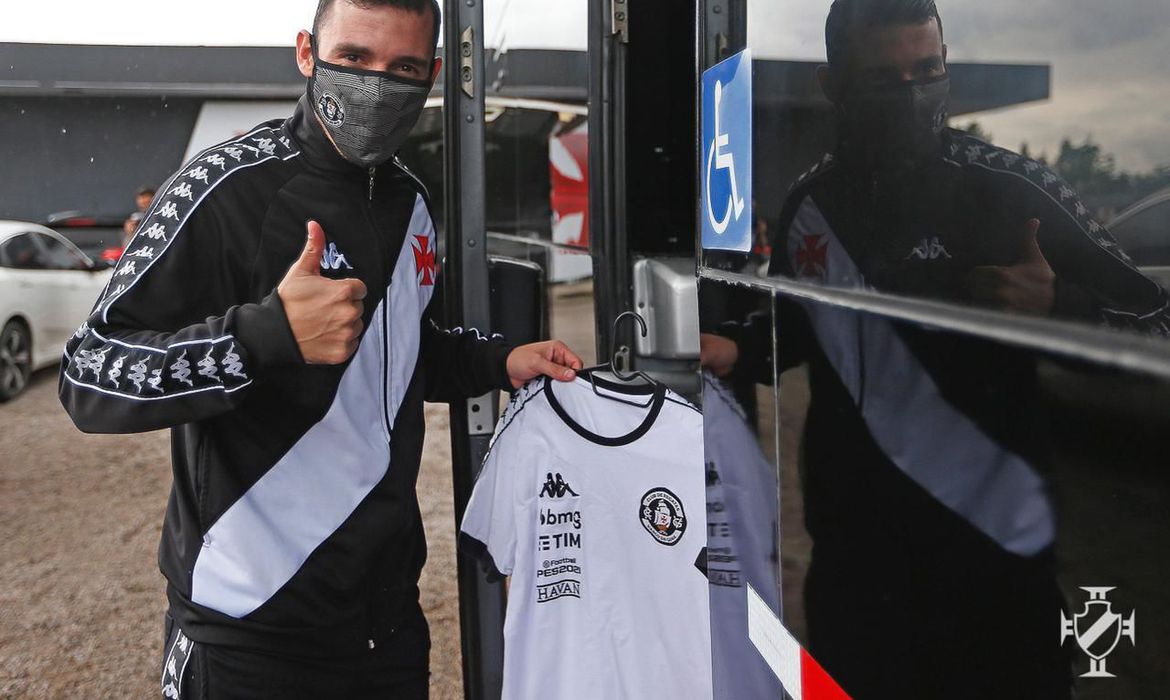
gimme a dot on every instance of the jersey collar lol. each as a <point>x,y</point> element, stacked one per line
<point>657,392</point>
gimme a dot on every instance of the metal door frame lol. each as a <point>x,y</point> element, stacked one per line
<point>466,288</point>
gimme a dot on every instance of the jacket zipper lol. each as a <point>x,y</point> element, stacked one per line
<point>373,224</point>
<point>382,254</point>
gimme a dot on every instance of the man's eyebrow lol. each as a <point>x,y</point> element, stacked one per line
<point>356,49</point>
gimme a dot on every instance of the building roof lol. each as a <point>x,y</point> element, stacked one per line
<point>249,72</point>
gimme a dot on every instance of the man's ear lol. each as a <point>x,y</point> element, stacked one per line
<point>435,68</point>
<point>830,85</point>
<point>944,55</point>
<point>305,53</point>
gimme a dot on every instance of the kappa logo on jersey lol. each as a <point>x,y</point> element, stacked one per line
<point>556,487</point>
<point>929,249</point>
<point>662,515</point>
<point>560,589</point>
<point>424,261</point>
<point>333,259</point>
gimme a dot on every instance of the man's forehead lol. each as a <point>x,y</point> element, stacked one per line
<point>895,45</point>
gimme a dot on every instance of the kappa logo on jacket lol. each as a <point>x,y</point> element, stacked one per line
<point>334,259</point>
<point>929,249</point>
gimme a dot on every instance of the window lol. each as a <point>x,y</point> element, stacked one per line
<point>61,256</point>
<point>1146,235</point>
<point>22,253</point>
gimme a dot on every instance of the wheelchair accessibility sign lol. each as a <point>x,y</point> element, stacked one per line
<point>726,190</point>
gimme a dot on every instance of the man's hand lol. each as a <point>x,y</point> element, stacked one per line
<point>325,315</point>
<point>552,358</point>
<point>717,353</point>
<point>1028,287</point>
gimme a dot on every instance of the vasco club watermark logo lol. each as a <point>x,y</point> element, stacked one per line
<point>662,515</point>
<point>1097,630</point>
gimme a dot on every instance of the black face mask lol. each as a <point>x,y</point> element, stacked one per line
<point>369,114</point>
<point>895,125</point>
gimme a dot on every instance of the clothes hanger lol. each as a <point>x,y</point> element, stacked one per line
<point>612,365</point>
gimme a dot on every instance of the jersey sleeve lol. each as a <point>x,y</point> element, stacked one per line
<point>488,532</point>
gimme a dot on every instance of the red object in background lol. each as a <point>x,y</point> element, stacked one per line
<point>568,160</point>
<point>112,254</point>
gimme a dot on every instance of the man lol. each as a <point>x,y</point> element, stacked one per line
<point>291,361</point>
<point>142,200</point>
<point>933,569</point>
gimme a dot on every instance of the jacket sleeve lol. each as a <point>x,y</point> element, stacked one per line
<point>167,342</point>
<point>1096,281</point>
<point>462,362</point>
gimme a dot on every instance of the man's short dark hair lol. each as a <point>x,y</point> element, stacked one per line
<point>848,16</point>
<point>416,6</point>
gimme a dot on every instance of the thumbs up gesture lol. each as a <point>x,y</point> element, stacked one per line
<point>1027,287</point>
<point>325,315</point>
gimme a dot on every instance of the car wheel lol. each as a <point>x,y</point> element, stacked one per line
<point>15,359</point>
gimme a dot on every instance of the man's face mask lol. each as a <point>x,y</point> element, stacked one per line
<point>369,114</point>
<point>898,123</point>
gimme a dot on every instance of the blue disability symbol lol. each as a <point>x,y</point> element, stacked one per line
<point>719,155</point>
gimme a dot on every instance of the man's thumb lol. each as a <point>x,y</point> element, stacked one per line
<point>310,261</point>
<point>1030,252</point>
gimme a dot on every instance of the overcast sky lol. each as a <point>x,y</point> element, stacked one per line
<point>1110,58</point>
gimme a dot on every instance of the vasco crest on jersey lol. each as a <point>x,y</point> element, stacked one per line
<point>662,515</point>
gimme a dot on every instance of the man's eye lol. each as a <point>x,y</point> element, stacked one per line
<point>406,68</point>
<point>352,57</point>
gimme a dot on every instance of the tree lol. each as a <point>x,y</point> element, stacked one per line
<point>1086,167</point>
<point>1093,173</point>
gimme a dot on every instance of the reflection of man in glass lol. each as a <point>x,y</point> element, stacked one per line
<point>922,209</point>
<point>933,571</point>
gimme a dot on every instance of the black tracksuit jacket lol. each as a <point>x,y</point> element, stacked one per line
<point>293,524</point>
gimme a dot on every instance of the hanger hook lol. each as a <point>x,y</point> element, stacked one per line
<point>613,339</point>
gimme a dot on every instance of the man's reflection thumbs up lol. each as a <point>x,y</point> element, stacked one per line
<point>1027,287</point>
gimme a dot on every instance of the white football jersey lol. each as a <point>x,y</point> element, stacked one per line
<point>743,512</point>
<point>596,509</point>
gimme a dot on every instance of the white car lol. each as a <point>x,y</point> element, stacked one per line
<point>47,288</point>
<point>1143,231</point>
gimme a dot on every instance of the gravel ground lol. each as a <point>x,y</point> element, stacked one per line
<point>81,598</point>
